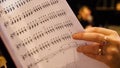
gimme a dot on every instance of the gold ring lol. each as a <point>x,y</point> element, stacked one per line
<point>100,50</point>
<point>102,44</point>
<point>104,41</point>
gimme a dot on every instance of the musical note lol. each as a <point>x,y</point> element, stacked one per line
<point>45,45</point>
<point>14,5</point>
<point>40,32</point>
<point>2,1</point>
<point>38,35</point>
<point>35,23</point>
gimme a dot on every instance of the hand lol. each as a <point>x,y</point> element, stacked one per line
<point>105,46</point>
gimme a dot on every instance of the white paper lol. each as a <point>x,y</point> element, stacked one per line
<point>38,33</point>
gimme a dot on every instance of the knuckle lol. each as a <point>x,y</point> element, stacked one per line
<point>114,32</point>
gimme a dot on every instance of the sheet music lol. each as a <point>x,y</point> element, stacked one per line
<point>38,33</point>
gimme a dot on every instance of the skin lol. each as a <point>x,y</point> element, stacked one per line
<point>110,50</point>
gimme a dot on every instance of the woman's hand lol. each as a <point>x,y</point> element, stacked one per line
<point>105,46</point>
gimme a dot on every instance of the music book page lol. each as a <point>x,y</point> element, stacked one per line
<point>37,33</point>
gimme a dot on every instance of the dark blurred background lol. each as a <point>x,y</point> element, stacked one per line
<point>105,12</point>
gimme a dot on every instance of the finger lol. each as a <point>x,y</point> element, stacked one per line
<point>97,57</point>
<point>89,49</point>
<point>113,35</point>
<point>112,50</point>
<point>101,30</point>
<point>95,37</point>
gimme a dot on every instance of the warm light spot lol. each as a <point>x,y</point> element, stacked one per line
<point>118,6</point>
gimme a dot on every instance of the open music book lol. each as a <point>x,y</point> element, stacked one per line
<point>37,33</point>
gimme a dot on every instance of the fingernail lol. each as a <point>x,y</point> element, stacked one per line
<point>77,35</point>
<point>74,35</point>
